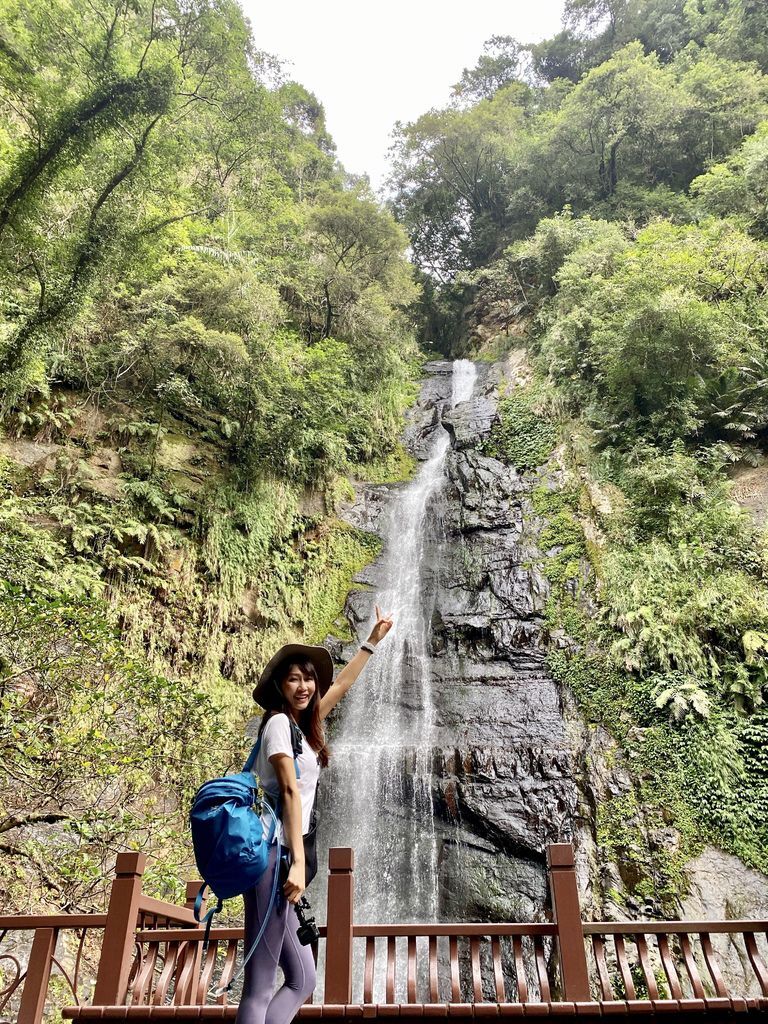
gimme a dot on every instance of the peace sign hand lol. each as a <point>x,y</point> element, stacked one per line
<point>382,627</point>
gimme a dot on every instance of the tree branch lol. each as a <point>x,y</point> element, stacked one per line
<point>34,818</point>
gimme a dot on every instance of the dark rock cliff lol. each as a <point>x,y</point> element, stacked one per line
<point>505,761</point>
<point>514,766</point>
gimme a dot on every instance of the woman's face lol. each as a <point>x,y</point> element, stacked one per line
<point>298,689</point>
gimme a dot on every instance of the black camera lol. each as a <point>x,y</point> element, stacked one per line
<point>307,931</point>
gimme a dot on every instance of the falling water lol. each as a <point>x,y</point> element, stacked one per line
<point>378,795</point>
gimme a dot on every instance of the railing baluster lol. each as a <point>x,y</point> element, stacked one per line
<point>690,966</point>
<point>184,974</point>
<point>541,969</point>
<point>645,966</point>
<point>626,974</point>
<point>209,965</point>
<point>370,959</point>
<point>390,996</point>
<point>713,967</point>
<point>78,959</point>
<point>192,889</point>
<point>758,964</point>
<point>434,993</point>
<point>498,969</point>
<point>411,985</point>
<point>477,977</point>
<point>230,961</point>
<point>146,969</point>
<point>169,966</point>
<point>598,947</point>
<point>522,984</point>
<point>668,963</point>
<point>453,949</point>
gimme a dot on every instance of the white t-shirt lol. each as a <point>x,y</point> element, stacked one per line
<point>276,739</point>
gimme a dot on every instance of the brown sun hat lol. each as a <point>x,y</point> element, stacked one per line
<point>319,657</point>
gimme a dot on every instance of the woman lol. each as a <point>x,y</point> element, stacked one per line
<point>297,691</point>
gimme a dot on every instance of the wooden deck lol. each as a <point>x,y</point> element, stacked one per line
<point>151,964</point>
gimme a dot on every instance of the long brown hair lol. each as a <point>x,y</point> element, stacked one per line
<point>309,720</point>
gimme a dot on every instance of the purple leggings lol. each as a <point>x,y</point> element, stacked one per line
<point>278,945</point>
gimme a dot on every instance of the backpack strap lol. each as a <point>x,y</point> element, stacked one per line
<point>295,744</point>
<point>208,919</point>
<point>252,756</point>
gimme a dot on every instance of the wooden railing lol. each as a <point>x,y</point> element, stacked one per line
<point>152,963</point>
<point>87,952</point>
<point>59,943</point>
<point>675,961</point>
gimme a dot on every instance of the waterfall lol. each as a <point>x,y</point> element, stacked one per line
<point>377,797</point>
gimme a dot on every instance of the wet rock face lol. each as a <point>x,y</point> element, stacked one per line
<point>424,416</point>
<point>722,887</point>
<point>368,507</point>
<point>508,778</point>
<point>513,765</point>
<point>470,422</point>
<point>503,764</point>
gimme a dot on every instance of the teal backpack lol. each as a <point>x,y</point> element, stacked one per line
<point>231,851</point>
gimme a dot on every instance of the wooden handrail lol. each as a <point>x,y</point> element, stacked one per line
<point>27,922</point>
<point>170,911</point>
<point>459,928</point>
<point>671,927</point>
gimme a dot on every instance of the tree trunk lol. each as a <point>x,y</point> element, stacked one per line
<point>328,312</point>
<point>71,125</point>
<point>87,257</point>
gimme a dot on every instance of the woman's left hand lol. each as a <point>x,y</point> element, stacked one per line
<point>382,627</point>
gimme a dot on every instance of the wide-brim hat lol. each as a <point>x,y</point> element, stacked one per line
<point>319,656</point>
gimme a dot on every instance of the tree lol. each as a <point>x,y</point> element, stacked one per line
<point>310,161</point>
<point>626,113</point>
<point>735,29</point>
<point>450,171</point>
<point>738,187</point>
<point>116,143</point>
<point>661,338</point>
<point>729,99</point>
<point>359,247</point>
<point>562,56</point>
<point>500,64</point>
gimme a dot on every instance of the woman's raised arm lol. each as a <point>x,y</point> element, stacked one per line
<point>355,665</point>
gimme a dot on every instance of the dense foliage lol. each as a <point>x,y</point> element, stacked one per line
<point>203,330</point>
<point>603,193</point>
<point>623,140</point>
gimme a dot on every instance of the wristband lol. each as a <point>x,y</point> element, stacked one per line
<point>368,646</point>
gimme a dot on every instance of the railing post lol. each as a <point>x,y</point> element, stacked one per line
<point>338,943</point>
<point>193,888</point>
<point>567,914</point>
<point>117,948</point>
<point>36,980</point>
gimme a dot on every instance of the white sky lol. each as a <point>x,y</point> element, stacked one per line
<point>372,64</point>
